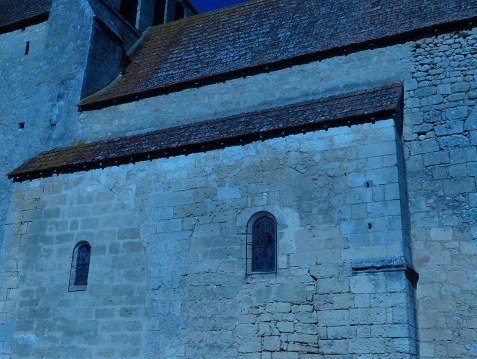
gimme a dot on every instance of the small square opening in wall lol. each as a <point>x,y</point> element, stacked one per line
<point>21,125</point>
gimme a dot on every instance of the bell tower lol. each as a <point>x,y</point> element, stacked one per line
<point>170,10</point>
<point>144,13</point>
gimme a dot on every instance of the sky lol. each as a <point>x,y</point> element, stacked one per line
<point>207,5</point>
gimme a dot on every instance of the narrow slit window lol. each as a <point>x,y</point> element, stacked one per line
<point>27,47</point>
<point>80,267</point>
<point>262,244</point>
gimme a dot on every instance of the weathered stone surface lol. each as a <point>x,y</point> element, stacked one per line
<point>168,267</point>
<point>199,274</point>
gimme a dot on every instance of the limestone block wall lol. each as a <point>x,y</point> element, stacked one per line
<point>441,139</point>
<point>104,59</point>
<point>168,265</point>
<point>439,76</point>
<point>364,69</point>
<point>17,66</point>
<point>41,72</point>
<point>146,9</point>
<point>439,124</point>
<point>171,7</point>
<point>108,319</point>
<point>42,68</point>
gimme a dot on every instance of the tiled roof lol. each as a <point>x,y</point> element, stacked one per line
<point>257,34</point>
<point>19,12</point>
<point>344,109</point>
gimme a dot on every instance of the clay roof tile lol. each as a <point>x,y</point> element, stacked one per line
<point>258,33</point>
<point>15,13</point>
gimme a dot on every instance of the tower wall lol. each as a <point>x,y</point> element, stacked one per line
<point>40,90</point>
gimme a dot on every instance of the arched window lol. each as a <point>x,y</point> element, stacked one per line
<point>179,12</point>
<point>262,243</point>
<point>80,267</point>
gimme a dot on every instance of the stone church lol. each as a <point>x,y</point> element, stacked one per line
<point>278,179</point>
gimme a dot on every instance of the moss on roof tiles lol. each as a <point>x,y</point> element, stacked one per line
<point>260,32</point>
<point>218,132</point>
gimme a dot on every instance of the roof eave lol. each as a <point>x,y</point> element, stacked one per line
<point>23,23</point>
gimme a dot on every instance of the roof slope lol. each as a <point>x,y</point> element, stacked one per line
<point>345,109</point>
<point>260,32</point>
<point>13,12</point>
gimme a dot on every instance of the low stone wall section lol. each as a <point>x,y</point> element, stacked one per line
<point>168,265</point>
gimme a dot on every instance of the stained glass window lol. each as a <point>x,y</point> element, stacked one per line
<point>80,267</point>
<point>262,244</point>
<point>82,264</point>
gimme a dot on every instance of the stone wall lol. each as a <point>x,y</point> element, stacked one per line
<point>441,144</point>
<point>17,126</point>
<point>40,89</point>
<point>104,59</point>
<point>168,267</point>
<point>161,230</point>
<point>41,72</point>
<point>336,75</point>
<point>439,75</point>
